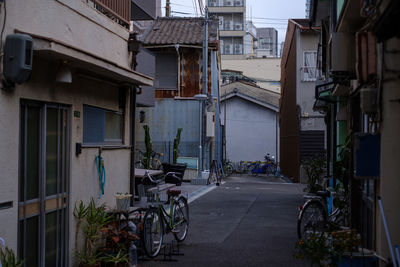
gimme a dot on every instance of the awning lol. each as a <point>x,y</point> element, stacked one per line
<point>87,62</point>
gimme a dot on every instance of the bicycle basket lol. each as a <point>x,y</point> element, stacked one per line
<point>150,197</point>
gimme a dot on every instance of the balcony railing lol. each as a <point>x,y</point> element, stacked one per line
<point>230,26</point>
<point>117,10</point>
<point>225,3</point>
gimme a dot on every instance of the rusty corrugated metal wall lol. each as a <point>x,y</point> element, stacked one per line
<point>289,120</point>
<point>190,75</point>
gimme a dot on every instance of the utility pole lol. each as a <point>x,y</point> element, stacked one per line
<point>205,83</point>
<point>168,8</point>
<point>205,52</point>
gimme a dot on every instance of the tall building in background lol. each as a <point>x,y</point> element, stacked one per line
<point>308,8</point>
<point>232,16</point>
<point>281,49</point>
<point>250,40</point>
<point>267,42</point>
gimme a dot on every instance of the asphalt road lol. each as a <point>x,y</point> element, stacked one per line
<point>245,222</point>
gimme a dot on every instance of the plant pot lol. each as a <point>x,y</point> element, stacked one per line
<point>123,202</point>
<point>90,265</point>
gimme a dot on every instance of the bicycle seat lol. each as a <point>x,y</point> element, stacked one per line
<point>174,192</point>
<point>323,193</point>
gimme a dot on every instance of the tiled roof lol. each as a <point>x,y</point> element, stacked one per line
<point>189,31</point>
<point>251,91</point>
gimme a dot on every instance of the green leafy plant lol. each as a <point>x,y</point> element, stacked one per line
<point>327,249</point>
<point>91,220</point>
<point>149,147</point>
<point>119,259</point>
<point>315,168</point>
<point>177,141</point>
<point>8,258</point>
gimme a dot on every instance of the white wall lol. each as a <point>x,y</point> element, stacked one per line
<point>250,130</point>
<point>305,93</point>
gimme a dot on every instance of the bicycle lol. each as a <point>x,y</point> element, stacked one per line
<point>155,163</point>
<point>215,174</point>
<point>158,221</point>
<point>314,217</point>
<point>228,167</point>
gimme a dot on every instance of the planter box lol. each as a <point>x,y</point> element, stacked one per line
<point>123,202</point>
<point>357,261</point>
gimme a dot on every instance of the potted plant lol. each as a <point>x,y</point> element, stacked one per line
<point>149,147</point>
<point>315,168</point>
<point>123,201</point>
<point>91,220</point>
<point>175,166</point>
<point>328,249</point>
<point>8,258</point>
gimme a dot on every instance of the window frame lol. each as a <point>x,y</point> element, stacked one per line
<point>157,85</point>
<point>106,141</point>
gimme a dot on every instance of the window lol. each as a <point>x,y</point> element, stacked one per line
<point>309,66</point>
<point>166,71</point>
<point>101,126</point>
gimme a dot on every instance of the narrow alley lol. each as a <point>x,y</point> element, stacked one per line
<point>247,221</point>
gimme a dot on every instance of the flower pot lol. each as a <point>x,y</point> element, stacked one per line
<point>123,202</point>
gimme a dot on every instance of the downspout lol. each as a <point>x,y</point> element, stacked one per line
<point>132,112</point>
<point>179,69</point>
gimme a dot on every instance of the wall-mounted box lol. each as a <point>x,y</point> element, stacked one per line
<point>210,124</point>
<point>367,148</point>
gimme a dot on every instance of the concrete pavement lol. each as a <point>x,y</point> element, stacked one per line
<point>248,221</point>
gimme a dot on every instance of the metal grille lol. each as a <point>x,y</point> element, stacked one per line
<point>117,9</point>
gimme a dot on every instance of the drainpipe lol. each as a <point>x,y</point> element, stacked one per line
<point>179,69</point>
<point>132,111</point>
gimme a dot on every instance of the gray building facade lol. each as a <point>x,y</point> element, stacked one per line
<point>267,42</point>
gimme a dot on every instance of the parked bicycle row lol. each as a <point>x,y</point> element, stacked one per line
<point>268,166</point>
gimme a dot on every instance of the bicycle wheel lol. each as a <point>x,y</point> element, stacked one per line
<point>153,231</point>
<point>312,219</point>
<point>181,219</point>
<point>229,169</point>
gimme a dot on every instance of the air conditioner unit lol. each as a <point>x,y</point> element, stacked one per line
<point>228,3</point>
<point>212,3</point>
<point>228,49</point>
<point>342,52</point>
<point>238,3</point>
<point>238,27</point>
<point>228,25</point>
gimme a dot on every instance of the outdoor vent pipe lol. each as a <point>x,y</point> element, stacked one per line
<point>132,111</point>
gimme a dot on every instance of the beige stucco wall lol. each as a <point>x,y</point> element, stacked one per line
<point>389,181</point>
<point>77,24</point>
<point>83,174</point>
<point>263,70</point>
<point>73,22</point>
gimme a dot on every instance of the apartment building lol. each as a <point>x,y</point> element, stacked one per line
<point>267,42</point>
<point>231,15</point>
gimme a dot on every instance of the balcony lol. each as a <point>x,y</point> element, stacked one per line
<point>225,3</point>
<point>117,10</point>
<point>308,74</point>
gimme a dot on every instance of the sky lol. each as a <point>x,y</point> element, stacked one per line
<point>264,13</point>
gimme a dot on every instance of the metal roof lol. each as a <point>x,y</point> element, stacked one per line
<point>252,93</point>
